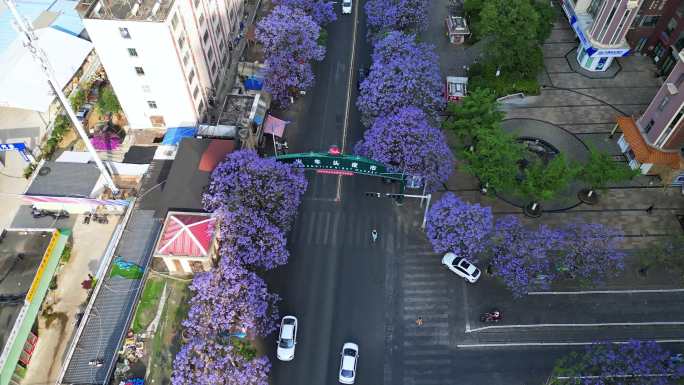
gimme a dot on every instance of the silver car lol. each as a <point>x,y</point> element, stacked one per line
<point>287,339</point>
<point>461,267</point>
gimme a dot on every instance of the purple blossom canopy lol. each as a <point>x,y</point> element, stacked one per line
<point>591,252</point>
<point>406,141</point>
<point>385,15</point>
<point>209,362</point>
<point>105,141</point>
<point>522,257</point>
<point>228,298</point>
<point>321,12</point>
<point>404,73</point>
<point>457,226</point>
<point>635,362</point>
<point>269,188</point>
<point>251,239</point>
<point>290,40</point>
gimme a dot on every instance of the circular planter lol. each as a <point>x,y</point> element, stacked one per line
<point>588,196</point>
<point>532,210</point>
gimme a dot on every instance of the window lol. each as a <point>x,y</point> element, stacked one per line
<point>663,103</point>
<point>648,127</point>
<point>221,45</point>
<point>594,7</point>
<point>671,26</point>
<point>174,21</point>
<point>186,59</point>
<point>201,19</point>
<point>200,108</point>
<point>210,54</point>
<point>213,69</point>
<point>132,52</point>
<point>124,33</point>
<point>197,3</point>
<point>604,29</point>
<point>195,93</point>
<point>648,21</point>
<point>146,88</point>
<point>680,80</point>
<point>151,104</point>
<point>680,10</point>
<point>680,41</point>
<point>181,41</point>
<point>205,38</point>
<point>191,77</point>
<point>139,71</point>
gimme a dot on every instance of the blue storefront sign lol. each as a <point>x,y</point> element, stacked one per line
<point>21,147</point>
<point>586,44</point>
<point>609,52</point>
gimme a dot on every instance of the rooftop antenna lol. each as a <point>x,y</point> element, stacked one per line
<point>28,34</point>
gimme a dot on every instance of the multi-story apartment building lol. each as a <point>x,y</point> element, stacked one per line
<point>654,142</point>
<point>164,58</point>
<point>601,26</point>
<point>658,31</point>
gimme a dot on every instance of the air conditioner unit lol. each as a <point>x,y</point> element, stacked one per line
<point>631,4</point>
<point>671,88</point>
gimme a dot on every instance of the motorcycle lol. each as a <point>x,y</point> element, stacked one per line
<point>492,316</point>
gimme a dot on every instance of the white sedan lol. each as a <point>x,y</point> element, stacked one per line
<point>346,6</point>
<point>287,339</point>
<point>350,355</point>
<point>461,267</point>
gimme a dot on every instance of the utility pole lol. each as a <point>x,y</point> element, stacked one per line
<point>393,195</point>
<point>26,30</point>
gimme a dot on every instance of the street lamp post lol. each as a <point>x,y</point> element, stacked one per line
<point>428,197</point>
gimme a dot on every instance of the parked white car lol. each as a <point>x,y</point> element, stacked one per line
<point>346,7</point>
<point>350,355</point>
<point>287,339</point>
<point>461,267</point>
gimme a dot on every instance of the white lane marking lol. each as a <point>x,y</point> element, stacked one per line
<point>465,308</point>
<point>338,194</point>
<point>535,326</point>
<point>605,292</point>
<point>522,344</point>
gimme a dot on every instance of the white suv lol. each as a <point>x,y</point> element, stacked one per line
<point>461,267</point>
<point>287,339</point>
<point>346,6</point>
<point>350,355</point>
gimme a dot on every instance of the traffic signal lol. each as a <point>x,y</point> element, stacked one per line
<point>373,194</point>
<point>397,196</point>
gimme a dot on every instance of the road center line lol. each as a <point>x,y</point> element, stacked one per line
<point>539,326</point>
<point>644,291</point>
<point>338,193</point>
<point>522,344</point>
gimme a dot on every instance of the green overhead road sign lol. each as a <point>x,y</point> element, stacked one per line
<point>326,163</point>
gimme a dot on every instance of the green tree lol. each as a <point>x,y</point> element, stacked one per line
<point>108,103</point>
<point>601,170</point>
<point>542,181</point>
<point>494,159</point>
<point>512,29</point>
<point>78,99</point>
<point>475,113</point>
<point>472,9</point>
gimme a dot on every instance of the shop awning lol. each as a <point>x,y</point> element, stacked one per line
<point>643,152</point>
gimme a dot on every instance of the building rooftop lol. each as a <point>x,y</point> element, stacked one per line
<point>21,252</point>
<point>131,10</point>
<point>186,234</point>
<point>65,180</point>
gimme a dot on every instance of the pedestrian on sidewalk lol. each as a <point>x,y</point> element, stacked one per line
<point>419,321</point>
<point>649,209</point>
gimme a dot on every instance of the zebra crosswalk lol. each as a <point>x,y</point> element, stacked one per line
<point>423,354</point>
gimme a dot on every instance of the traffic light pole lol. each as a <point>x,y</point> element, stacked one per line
<point>392,195</point>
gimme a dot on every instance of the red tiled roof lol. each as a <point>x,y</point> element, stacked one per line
<point>186,235</point>
<point>215,153</point>
<point>643,152</point>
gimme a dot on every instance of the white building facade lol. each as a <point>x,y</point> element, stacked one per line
<point>164,58</point>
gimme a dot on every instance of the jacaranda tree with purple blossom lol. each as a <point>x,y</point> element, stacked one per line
<point>230,298</point>
<point>458,226</point>
<point>403,15</point>
<point>590,252</point>
<point>290,40</point>
<point>251,239</point>
<point>406,141</point>
<point>216,361</point>
<point>321,12</point>
<point>269,188</point>
<point>522,258</point>
<point>632,363</point>
<point>404,73</point>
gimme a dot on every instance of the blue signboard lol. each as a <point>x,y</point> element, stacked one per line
<point>21,147</point>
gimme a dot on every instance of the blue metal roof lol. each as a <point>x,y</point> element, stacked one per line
<point>67,21</point>
<point>174,135</point>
